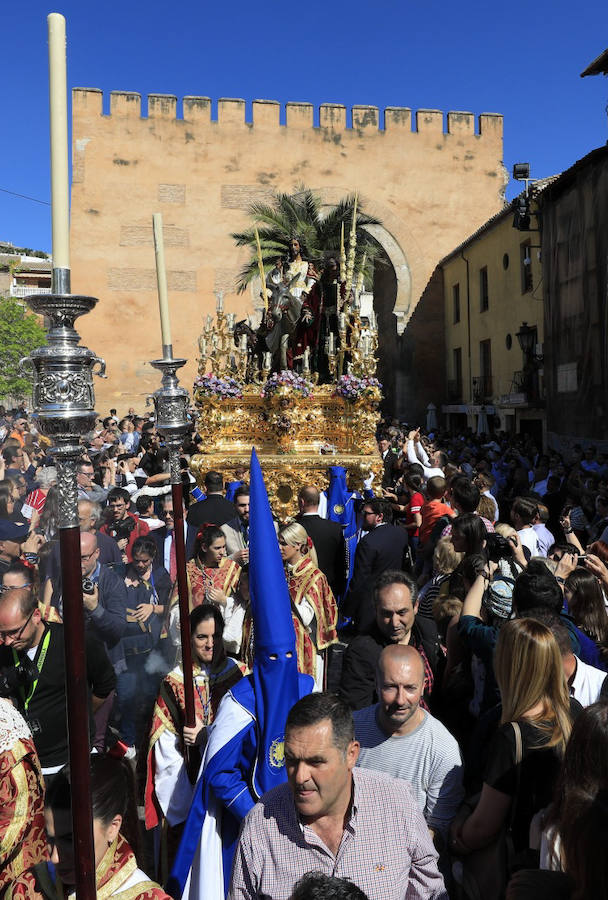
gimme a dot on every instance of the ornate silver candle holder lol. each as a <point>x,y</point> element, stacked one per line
<point>171,407</point>
<point>63,393</point>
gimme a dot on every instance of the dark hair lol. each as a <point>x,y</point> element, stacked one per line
<point>555,623</point>
<point>20,568</point>
<point>465,494</point>
<point>586,604</point>
<point>314,708</point>
<point>144,544</point>
<point>143,503</point>
<point>242,491</point>
<point>536,587</point>
<point>473,530</point>
<point>118,493</point>
<point>201,614</point>
<point>442,458</point>
<point>379,507</point>
<point>580,808</point>
<point>112,794</point>
<point>214,481</point>
<point>526,508</point>
<point>9,454</point>
<point>394,577</point>
<point>416,469</point>
<point>413,481</point>
<point>318,886</point>
<point>5,495</point>
<point>206,536</point>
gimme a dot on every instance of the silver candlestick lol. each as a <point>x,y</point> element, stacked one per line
<point>171,406</point>
<point>63,393</point>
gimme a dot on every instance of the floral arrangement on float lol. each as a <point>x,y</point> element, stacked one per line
<point>209,385</point>
<point>352,388</point>
<point>286,382</point>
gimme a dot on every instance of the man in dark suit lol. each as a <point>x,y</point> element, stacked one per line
<point>390,461</point>
<point>215,509</point>
<point>163,538</point>
<point>328,538</point>
<point>381,549</point>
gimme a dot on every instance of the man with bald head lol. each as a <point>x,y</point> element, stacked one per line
<point>399,737</point>
<point>328,538</point>
<point>24,634</point>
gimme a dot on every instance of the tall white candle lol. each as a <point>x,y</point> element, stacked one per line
<point>60,203</point>
<point>230,319</point>
<point>219,301</point>
<point>243,343</point>
<point>332,343</point>
<point>161,279</point>
<point>342,322</point>
<point>306,361</point>
<point>267,360</point>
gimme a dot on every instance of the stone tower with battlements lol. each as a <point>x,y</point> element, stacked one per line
<point>430,179</point>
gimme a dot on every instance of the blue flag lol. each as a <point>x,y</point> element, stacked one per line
<point>341,507</point>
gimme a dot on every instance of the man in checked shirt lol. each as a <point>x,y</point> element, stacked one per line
<point>333,818</point>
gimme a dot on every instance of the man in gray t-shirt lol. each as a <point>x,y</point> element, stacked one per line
<point>400,738</point>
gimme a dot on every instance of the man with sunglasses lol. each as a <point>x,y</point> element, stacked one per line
<point>24,633</point>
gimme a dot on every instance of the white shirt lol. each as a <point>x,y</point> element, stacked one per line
<point>422,459</point>
<point>528,539</point>
<point>587,683</point>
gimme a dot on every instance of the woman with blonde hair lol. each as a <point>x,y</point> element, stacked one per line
<point>313,606</point>
<point>525,754</point>
<point>445,561</point>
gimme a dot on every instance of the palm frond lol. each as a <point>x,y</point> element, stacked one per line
<point>301,214</point>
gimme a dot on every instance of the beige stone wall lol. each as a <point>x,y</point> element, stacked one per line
<point>430,187</point>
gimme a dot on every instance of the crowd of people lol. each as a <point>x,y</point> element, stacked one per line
<point>462,655</point>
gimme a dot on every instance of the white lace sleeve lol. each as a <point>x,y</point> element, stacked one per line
<point>13,726</point>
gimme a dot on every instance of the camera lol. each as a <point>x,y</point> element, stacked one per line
<point>88,586</point>
<point>122,528</point>
<point>20,676</point>
<point>498,547</point>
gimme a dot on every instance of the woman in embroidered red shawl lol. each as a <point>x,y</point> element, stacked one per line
<point>114,813</point>
<point>168,788</point>
<point>212,578</point>
<point>313,606</point>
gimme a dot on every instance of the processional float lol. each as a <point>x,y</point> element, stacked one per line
<point>298,426</point>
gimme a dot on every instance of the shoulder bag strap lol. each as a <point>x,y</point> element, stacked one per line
<point>518,758</point>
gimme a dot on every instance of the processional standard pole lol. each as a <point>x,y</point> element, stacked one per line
<point>63,399</point>
<point>171,407</point>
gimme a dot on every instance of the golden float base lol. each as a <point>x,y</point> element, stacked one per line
<point>296,438</point>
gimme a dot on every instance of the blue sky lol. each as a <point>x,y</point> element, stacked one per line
<point>522,59</point>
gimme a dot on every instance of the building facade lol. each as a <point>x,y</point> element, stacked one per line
<point>574,210</point>
<point>492,305</point>
<point>429,179</point>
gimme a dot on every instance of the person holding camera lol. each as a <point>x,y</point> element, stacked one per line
<point>32,662</point>
<point>123,526</point>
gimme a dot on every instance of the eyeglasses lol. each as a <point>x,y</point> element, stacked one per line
<point>89,555</point>
<point>16,633</point>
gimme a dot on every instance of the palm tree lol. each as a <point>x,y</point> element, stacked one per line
<point>300,215</point>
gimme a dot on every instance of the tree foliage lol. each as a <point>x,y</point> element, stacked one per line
<point>20,333</point>
<point>301,215</point>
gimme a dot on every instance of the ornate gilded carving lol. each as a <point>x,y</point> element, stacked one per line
<point>297,438</point>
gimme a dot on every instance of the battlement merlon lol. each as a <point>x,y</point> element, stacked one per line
<point>366,120</point>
